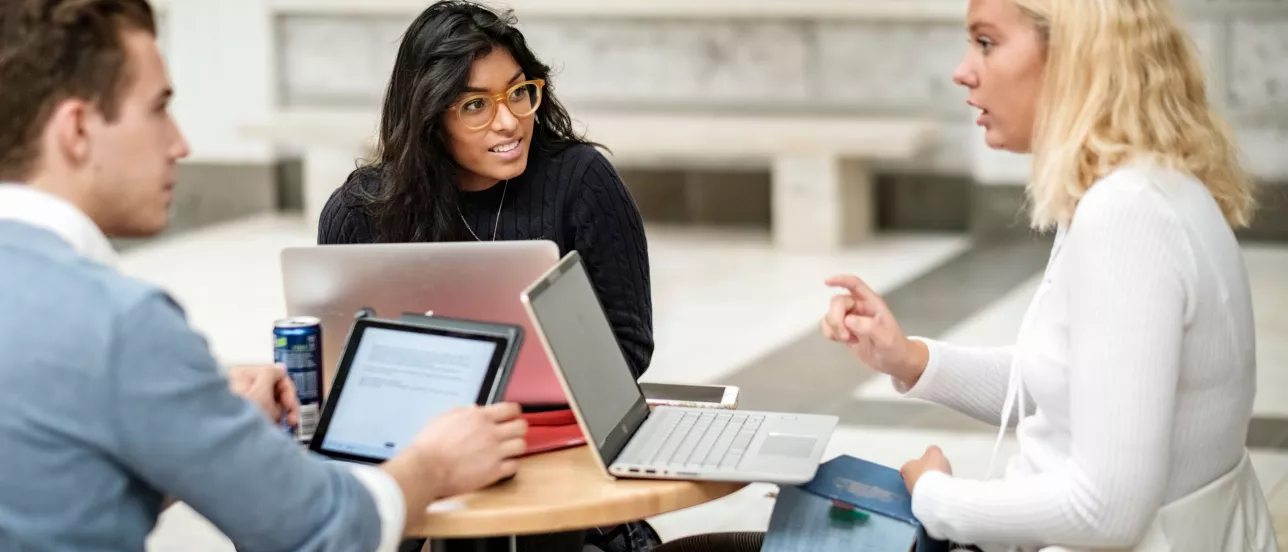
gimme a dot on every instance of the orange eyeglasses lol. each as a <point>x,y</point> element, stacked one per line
<point>523,99</point>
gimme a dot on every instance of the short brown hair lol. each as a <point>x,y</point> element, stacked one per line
<point>51,50</point>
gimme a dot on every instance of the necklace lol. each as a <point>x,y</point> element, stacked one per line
<point>496,223</point>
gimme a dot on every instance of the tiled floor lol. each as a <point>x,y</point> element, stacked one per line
<point>731,309</point>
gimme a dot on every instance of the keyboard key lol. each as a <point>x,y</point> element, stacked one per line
<point>703,450</point>
<point>665,428</point>
<point>691,442</point>
<point>731,461</point>
<point>718,451</point>
<point>672,443</point>
<point>744,439</point>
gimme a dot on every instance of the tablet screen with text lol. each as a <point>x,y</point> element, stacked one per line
<point>395,381</point>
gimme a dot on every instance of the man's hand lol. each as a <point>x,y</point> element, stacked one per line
<point>474,446</point>
<point>269,388</point>
<point>932,460</point>
<point>460,451</point>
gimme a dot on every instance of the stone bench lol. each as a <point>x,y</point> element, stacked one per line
<point>821,168</point>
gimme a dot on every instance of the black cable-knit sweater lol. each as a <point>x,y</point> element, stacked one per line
<point>575,199</point>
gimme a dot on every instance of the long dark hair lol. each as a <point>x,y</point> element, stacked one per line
<point>417,197</point>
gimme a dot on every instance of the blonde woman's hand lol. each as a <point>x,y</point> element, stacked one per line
<point>860,319</point>
<point>932,460</point>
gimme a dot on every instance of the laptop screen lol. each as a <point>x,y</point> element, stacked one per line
<point>395,382</point>
<point>581,340</point>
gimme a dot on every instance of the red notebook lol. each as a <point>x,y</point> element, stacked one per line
<point>553,430</point>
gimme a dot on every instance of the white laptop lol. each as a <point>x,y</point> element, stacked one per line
<point>628,440</point>
<point>467,280</point>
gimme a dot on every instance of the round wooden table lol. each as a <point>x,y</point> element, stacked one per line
<point>562,491</point>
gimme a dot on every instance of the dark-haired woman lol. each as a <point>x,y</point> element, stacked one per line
<point>474,146</point>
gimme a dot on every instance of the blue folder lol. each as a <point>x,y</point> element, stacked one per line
<point>803,519</point>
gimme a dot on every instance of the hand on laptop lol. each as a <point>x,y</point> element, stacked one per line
<point>463,450</point>
<point>269,388</point>
<point>861,320</point>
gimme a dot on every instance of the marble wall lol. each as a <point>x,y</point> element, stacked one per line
<point>804,65</point>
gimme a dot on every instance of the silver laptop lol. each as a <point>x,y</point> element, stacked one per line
<point>670,442</point>
<point>469,280</point>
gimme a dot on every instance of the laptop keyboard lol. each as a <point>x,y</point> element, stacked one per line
<point>710,440</point>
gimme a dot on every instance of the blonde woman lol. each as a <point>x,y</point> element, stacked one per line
<point>1131,382</point>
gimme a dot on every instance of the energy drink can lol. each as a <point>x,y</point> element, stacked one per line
<point>298,346</point>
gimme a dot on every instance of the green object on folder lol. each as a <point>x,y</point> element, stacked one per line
<point>849,515</point>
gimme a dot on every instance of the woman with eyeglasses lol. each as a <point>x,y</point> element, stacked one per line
<point>474,146</point>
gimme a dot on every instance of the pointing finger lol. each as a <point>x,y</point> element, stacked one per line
<point>842,281</point>
<point>855,286</point>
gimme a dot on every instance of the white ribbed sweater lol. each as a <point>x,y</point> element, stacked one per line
<point>1137,359</point>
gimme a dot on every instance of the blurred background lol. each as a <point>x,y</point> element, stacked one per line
<point>769,144</point>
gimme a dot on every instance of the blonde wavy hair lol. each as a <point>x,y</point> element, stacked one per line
<point>1123,81</point>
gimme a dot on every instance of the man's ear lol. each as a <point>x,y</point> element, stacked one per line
<point>69,130</point>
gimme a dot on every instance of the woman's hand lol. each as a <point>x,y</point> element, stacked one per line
<point>860,320</point>
<point>932,460</point>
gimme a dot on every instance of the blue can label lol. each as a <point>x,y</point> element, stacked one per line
<point>300,350</point>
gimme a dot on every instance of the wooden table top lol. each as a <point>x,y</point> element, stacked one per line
<point>562,491</point>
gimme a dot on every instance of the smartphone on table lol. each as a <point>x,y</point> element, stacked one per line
<point>690,396</point>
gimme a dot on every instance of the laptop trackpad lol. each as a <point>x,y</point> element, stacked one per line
<point>793,447</point>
